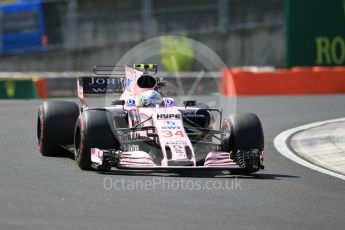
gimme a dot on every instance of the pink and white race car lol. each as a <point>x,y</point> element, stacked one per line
<point>144,130</point>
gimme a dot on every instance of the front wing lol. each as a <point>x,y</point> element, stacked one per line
<point>139,160</point>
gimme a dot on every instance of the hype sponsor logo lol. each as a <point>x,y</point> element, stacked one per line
<point>168,116</point>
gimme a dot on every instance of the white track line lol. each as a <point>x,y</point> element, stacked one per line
<point>282,147</point>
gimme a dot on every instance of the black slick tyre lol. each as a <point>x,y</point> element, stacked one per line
<point>94,129</point>
<point>55,125</point>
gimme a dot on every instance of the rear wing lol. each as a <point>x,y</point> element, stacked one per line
<point>106,70</point>
<point>112,80</point>
<point>99,85</point>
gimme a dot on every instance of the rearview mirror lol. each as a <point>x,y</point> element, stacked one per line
<point>189,103</point>
<point>118,102</point>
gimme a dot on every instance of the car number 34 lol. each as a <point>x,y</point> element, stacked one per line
<point>169,133</point>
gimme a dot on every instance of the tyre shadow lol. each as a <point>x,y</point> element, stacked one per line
<point>62,153</point>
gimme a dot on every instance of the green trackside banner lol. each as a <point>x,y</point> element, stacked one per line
<point>17,89</point>
<point>315,32</point>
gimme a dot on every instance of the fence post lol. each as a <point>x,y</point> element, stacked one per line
<point>222,15</point>
<point>72,6</point>
<point>1,31</point>
<point>147,18</point>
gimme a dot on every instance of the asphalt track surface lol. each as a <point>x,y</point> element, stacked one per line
<point>52,193</point>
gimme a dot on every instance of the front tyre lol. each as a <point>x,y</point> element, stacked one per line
<point>246,141</point>
<point>94,129</point>
<point>247,132</point>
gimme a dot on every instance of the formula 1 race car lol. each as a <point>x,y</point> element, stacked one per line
<point>143,130</point>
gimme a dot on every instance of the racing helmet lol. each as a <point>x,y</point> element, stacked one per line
<point>149,98</point>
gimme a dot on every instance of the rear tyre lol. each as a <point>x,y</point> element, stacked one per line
<point>245,134</point>
<point>55,125</point>
<point>94,129</point>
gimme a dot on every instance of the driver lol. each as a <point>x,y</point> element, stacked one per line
<point>149,98</point>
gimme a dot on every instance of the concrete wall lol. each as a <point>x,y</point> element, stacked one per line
<point>262,46</point>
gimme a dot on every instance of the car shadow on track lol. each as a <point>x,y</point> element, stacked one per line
<point>201,174</point>
<point>262,175</point>
<point>63,153</point>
